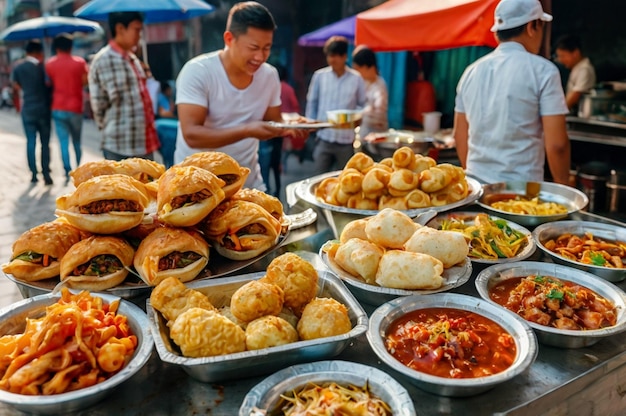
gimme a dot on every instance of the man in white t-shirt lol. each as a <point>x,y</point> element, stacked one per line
<point>582,76</point>
<point>226,98</point>
<point>509,114</point>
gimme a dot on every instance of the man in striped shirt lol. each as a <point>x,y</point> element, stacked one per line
<point>121,103</point>
<point>335,87</point>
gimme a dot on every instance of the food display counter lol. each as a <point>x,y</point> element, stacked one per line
<point>590,381</point>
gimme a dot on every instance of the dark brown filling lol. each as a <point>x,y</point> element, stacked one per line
<point>178,260</point>
<point>229,178</point>
<point>108,205</point>
<point>247,230</point>
<point>188,199</point>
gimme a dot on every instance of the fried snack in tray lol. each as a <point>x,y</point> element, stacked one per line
<point>390,228</point>
<point>588,249</point>
<point>360,258</point>
<point>448,246</point>
<point>107,204</point>
<point>171,252</point>
<point>323,317</point>
<point>256,299</point>
<point>37,253</point>
<point>296,277</point>
<point>221,165</point>
<point>269,331</point>
<point>78,343</point>
<point>405,181</point>
<point>171,297</point>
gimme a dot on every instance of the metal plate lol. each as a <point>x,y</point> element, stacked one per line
<point>495,274</point>
<point>263,361</point>
<point>377,295</point>
<point>552,230</point>
<point>12,321</point>
<point>571,198</point>
<point>266,394</point>
<point>133,286</point>
<point>468,218</point>
<point>525,340</point>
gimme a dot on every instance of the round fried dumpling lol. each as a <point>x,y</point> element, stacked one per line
<point>269,331</point>
<point>448,246</point>
<point>255,299</point>
<point>390,228</point>
<point>323,317</point>
<point>407,270</point>
<point>296,277</point>
<point>171,297</point>
<point>202,333</point>
<point>359,258</point>
<point>354,229</point>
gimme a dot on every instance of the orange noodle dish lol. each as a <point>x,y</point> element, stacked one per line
<point>331,399</point>
<point>79,342</point>
<point>588,249</point>
<point>451,343</point>
<point>529,206</point>
<point>549,301</point>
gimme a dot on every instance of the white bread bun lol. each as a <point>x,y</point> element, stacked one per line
<point>221,165</point>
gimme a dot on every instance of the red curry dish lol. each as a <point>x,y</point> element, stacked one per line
<point>451,343</point>
<point>549,301</point>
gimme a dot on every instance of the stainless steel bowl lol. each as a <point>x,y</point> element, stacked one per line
<point>385,315</point>
<point>572,198</point>
<point>338,217</point>
<point>263,361</point>
<point>382,145</point>
<point>468,217</point>
<point>552,230</point>
<point>12,321</point>
<point>493,275</point>
<point>265,395</point>
<point>377,295</point>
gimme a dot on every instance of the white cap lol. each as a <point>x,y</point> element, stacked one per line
<point>514,13</point>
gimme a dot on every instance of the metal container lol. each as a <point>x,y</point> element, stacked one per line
<point>377,295</point>
<point>338,216</point>
<point>616,188</point>
<point>385,315</point>
<point>344,118</point>
<point>468,218</point>
<point>263,361</point>
<point>383,145</point>
<point>493,275</point>
<point>262,398</point>
<point>13,320</point>
<point>552,230</point>
<point>595,104</point>
<point>571,198</point>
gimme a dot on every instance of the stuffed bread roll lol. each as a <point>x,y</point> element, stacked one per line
<point>221,165</point>
<point>269,202</point>
<point>171,252</point>
<point>187,195</point>
<point>241,230</point>
<point>143,170</point>
<point>97,263</point>
<point>105,204</point>
<point>37,253</point>
<point>90,170</point>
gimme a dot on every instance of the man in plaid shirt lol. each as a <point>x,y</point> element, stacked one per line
<point>121,103</point>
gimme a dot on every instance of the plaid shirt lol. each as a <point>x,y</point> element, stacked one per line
<point>121,104</point>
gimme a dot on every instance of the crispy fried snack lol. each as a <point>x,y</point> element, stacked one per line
<point>296,277</point>
<point>171,297</point>
<point>269,331</point>
<point>256,299</point>
<point>323,317</point>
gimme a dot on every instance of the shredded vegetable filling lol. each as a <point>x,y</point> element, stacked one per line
<point>489,238</point>
<point>332,399</point>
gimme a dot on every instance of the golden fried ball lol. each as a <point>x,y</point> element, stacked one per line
<point>296,277</point>
<point>255,299</point>
<point>202,333</point>
<point>269,331</point>
<point>323,317</point>
<point>171,297</point>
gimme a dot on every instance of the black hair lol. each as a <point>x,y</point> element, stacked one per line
<point>165,86</point>
<point>568,43</point>
<point>507,34</point>
<point>62,42</point>
<point>336,45</point>
<point>364,56</point>
<point>34,46</point>
<point>282,72</point>
<point>125,18</point>
<point>249,14</point>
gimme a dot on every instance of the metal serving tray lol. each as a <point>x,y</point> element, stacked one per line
<point>263,361</point>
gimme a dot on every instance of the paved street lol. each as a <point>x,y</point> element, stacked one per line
<point>24,205</point>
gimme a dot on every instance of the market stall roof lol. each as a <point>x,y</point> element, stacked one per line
<point>344,27</point>
<point>426,25</point>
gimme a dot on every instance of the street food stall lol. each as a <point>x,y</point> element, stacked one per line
<point>561,379</point>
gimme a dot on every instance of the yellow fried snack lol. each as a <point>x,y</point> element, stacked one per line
<point>296,277</point>
<point>202,333</point>
<point>171,297</point>
<point>323,317</point>
<point>256,299</point>
<point>269,331</point>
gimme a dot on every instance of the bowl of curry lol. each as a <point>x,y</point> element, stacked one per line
<point>451,344</point>
<point>566,307</point>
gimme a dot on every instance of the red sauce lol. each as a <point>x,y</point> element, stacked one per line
<point>450,343</point>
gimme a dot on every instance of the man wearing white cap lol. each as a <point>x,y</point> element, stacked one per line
<point>510,108</point>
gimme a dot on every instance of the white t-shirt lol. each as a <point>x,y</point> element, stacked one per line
<point>203,81</point>
<point>503,96</point>
<point>375,112</point>
<point>582,78</point>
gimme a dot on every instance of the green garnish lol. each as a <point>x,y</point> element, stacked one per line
<point>540,279</point>
<point>30,256</point>
<point>555,294</point>
<point>495,248</point>
<point>597,259</point>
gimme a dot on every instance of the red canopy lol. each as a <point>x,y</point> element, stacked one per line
<point>426,25</point>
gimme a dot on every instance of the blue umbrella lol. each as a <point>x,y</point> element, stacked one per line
<point>155,11</point>
<point>48,26</point>
<point>344,27</point>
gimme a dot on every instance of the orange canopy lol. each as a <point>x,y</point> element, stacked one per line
<point>426,25</point>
